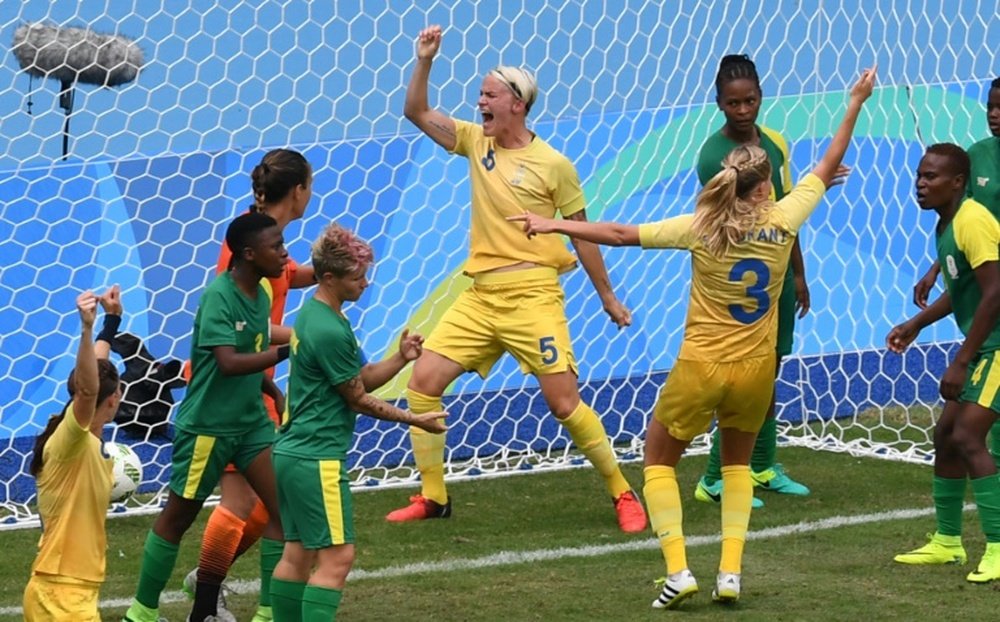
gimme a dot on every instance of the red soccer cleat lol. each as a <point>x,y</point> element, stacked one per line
<point>421,508</point>
<point>631,516</point>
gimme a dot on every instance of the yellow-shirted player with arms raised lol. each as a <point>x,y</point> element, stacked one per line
<point>516,303</point>
<point>74,482</point>
<point>740,242</point>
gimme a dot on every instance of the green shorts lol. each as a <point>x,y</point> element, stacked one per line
<point>521,312</point>
<point>786,314</point>
<point>982,384</point>
<point>199,460</point>
<point>314,497</point>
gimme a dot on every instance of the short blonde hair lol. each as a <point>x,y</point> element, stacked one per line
<point>340,252</point>
<point>520,81</point>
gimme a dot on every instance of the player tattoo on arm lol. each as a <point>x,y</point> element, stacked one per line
<point>443,128</point>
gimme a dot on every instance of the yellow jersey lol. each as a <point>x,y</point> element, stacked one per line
<point>732,314</point>
<point>508,182</point>
<point>74,488</point>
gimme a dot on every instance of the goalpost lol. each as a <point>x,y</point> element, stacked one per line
<point>157,167</point>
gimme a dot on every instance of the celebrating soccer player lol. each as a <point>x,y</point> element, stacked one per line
<point>738,95</point>
<point>282,188</point>
<point>328,384</point>
<point>740,241</point>
<point>222,418</point>
<point>74,479</point>
<point>967,236</point>
<point>515,304</point>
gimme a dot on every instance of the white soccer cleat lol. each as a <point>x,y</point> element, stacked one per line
<point>677,588</point>
<point>727,588</point>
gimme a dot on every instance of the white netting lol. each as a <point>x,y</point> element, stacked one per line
<point>158,166</point>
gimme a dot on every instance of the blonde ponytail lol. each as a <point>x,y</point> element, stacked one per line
<point>724,213</point>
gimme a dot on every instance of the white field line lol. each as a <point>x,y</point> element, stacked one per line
<point>512,558</point>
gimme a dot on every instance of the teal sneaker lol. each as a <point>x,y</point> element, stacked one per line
<point>939,550</point>
<point>989,567</point>
<point>775,480</point>
<point>264,614</point>
<point>712,493</point>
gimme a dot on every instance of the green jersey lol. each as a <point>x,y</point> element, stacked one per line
<point>970,240</point>
<point>718,146</point>
<point>319,424</point>
<point>984,177</point>
<point>218,405</point>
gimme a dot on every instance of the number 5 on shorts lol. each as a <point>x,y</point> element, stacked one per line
<point>547,346</point>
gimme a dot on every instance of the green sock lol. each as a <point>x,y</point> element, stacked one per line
<point>766,446</point>
<point>286,600</point>
<point>158,559</point>
<point>713,470</point>
<point>987,493</point>
<point>995,442</point>
<point>270,555</point>
<point>319,604</point>
<point>949,495</point>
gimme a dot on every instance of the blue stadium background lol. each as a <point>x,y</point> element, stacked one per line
<point>158,167</point>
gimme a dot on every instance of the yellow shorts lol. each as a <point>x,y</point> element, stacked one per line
<point>737,393</point>
<point>521,312</point>
<point>57,599</point>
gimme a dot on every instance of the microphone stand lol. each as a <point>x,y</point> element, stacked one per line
<point>66,96</point>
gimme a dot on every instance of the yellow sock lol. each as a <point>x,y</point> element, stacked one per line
<point>663,501</point>
<point>428,449</point>
<point>737,495</point>
<point>590,438</point>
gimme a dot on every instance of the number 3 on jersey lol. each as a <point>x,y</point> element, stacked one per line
<point>756,290</point>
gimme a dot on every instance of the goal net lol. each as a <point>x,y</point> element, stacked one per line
<point>157,167</point>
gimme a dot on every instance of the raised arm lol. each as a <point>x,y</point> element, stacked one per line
<point>111,302</point>
<point>439,127</point>
<point>375,375</point>
<point>86,382</point>
<point>827,168</point>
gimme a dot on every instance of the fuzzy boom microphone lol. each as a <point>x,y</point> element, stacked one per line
<point>76,55</point>
<point>73,55</point>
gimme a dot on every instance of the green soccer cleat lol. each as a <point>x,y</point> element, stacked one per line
<point>677,588</point>
<point>989,566</point>
<point>776,480</point>
<point>940,550</point>
<point>712,493</point>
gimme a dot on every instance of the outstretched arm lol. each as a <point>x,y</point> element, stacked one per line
<point>606,233</point>
<point>439,127</point>
<point>359,400</point>
<point>829,164</point>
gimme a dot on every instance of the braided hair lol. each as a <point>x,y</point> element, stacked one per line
<point>735,67</point>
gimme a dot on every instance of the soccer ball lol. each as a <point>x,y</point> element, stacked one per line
<point>126,473</point>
